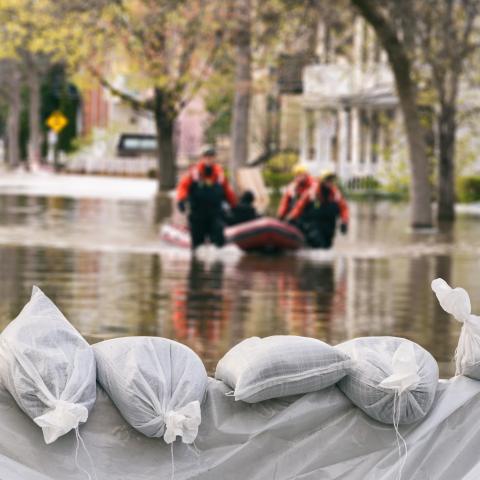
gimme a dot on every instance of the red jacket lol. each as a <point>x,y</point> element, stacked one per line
<point>197,173</point>
<point>314,194</point>
<point>295,190</point>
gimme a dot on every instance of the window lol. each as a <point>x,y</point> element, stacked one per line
<point>375,135</point>
<point>310,137</point>
<point>348,119</point>
<point>364,132</point>
<point>136,144</point>
<point>334,138</point>
<point>387,120</point>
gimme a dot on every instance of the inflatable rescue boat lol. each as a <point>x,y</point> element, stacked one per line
<point>265,234</point>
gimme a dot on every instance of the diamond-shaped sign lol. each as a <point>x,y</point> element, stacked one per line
<point>57,121</point>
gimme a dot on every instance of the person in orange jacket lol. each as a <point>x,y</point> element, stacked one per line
<point>205,189</point>
<point>320,207</point>
<point>302,182</point>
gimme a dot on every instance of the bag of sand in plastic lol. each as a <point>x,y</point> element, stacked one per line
<point>48,367</point>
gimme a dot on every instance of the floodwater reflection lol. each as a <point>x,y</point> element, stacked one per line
<point>101,262</point>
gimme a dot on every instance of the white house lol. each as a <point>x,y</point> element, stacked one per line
<point>350,110</point>
<point>351,121</point>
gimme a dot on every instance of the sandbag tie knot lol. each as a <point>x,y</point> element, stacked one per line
<point>183,422</point>
<point>454,301</point>
<point>405,370</point>
<point>60,419</point>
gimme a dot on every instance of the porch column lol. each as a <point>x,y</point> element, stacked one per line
<point>368,143</point>
<point>355,141</point>
<point>318,136</point>
<point>343,144</point>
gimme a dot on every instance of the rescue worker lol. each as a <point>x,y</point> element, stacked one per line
<point>245,210</point>
<point>302,182</point>
<point>205,189</point>
<point>323,204</point>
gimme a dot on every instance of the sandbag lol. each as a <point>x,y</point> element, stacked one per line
<point>48,367</point>
<point>393,380</point>
<point>157,385</point>
<point>457,302</point>
<point>262,368</point>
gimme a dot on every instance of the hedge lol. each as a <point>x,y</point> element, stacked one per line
<point>468,189</point>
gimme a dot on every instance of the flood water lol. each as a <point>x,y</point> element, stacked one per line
<point>102,263</point>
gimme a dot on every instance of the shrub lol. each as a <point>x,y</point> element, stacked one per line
<point>368,188</point>
<point>364,184</point>
<point>278,170</point>
<point>468,188</point>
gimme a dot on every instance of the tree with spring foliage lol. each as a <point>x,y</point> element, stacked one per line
<point>428,43</point>
<point>11,79</point>
<point>242,39</point>
<point>388,29</point>
<point>447,38</point>
<point>260,31</point>
<point>10,92</point>
<point>35,34</point>
<point>171,47</point>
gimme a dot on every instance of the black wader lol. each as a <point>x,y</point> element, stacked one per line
<point>206,217</point>
<point>320,222</point>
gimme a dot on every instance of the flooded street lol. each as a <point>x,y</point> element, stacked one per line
<point>101,262</point>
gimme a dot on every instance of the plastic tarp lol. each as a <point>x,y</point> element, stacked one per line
<point>319,435</point>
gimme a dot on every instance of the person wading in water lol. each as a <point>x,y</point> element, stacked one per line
<point>319,209</point>
<point>204,189</point>
<point>302,183</point>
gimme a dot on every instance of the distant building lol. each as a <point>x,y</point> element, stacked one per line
<point>351,121</point>
<point>290,90</point>
<point>276,108</point>
<point>95,110</point>
<point>349,109</point>
<point>104,117</point>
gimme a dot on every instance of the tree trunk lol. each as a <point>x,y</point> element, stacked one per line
<point>165,116</point>
<point>315,13</point>
<point>243,80</point>
<point>35,135</point>
<point>446,167</point>
<point>13,119</point>
<point>421,208</point>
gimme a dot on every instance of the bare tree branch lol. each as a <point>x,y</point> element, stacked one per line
<point>126,97</point>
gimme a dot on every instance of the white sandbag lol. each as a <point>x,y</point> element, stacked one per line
<point>157,385</point>
<point>262,368</point>
<point>457,302</point>
<point>393,380</point>
<point>48,367</point>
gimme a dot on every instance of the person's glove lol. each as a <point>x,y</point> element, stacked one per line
<point>181,206</point>
<point>344,228</point>
<point>226,208</point>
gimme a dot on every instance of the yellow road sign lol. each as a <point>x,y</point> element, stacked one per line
<point>57,121</point>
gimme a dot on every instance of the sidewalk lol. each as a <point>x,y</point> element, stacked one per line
<point>44,183</point>
<point>468,208</point>
<point>76,186</point>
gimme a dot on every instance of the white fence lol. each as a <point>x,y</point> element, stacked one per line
<point>112,166</point>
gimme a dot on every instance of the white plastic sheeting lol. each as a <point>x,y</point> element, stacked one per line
<point>318,436</point>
